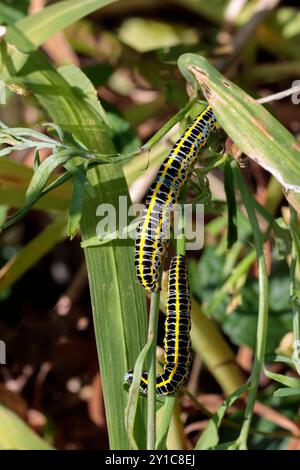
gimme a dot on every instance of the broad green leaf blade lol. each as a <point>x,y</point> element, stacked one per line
<point>287,392</point>
<point>16,435</point>
<point>283,379</point>
<point>32,252</point>
<point>43,24</point>
<point>119,312</point>
<point>118,301</point>
<point>253,129</point>
<point>210,436</point>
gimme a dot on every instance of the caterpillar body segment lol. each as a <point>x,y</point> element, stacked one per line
<point>163,194</point>
<point>177,341</point>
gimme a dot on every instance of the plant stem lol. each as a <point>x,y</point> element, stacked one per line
<point>151,399</point>
<point>262,323</point>
<point>295,287</point>
<point>156,138</point>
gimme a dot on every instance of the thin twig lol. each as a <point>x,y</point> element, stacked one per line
<point>279,95</point>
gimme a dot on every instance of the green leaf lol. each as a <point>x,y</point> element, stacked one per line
<point>36,161</point>
<point>75,213</point>
<point>210,436</point>
<point>3,214</point>
<point>231,205</point>
<point>146,35</point>
<point>134,392</point>
<point>118,302</point>
<point>9,14</point>
<point>213,10</point>
<point>283,379</point>
<point>16,435</point>
<point>2,92</point>
<point>117,299</point>
<point>253,129</point>
<point>164,424</point>
<point>30,32</point>
<point>278,358</point>
<point>32,252</point>
<point>287,392</point>
<point>42,174</point>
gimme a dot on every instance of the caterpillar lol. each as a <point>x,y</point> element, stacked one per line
<point>151,241</point>
<point>177,343</point>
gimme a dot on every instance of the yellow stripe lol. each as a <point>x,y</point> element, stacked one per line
<point>157,188</point>
<point>177,309</point>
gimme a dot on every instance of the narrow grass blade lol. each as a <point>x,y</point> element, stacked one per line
<point>76,205</point>
<point>253,129</point>
<point>231,205</point>
<point>9,14</point>
<point>283,379</point>
<point>287,392</point>
<point>43,173</point>
<point>164,423</point>
<point>134,391</point>
<point>43,24</point>
<point>16,435</point>
<point>32,252</point>
<point>210,436</point>
<point>279,358</point>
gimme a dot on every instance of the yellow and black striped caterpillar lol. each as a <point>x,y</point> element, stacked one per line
<point>151,241</point>
<point>177,341</point>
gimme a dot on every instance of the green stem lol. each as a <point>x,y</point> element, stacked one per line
<point>207,169</point>
<point>262,323</point>
<point>156,138</point>
<point>295,287</point>
<point>151,398</point>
